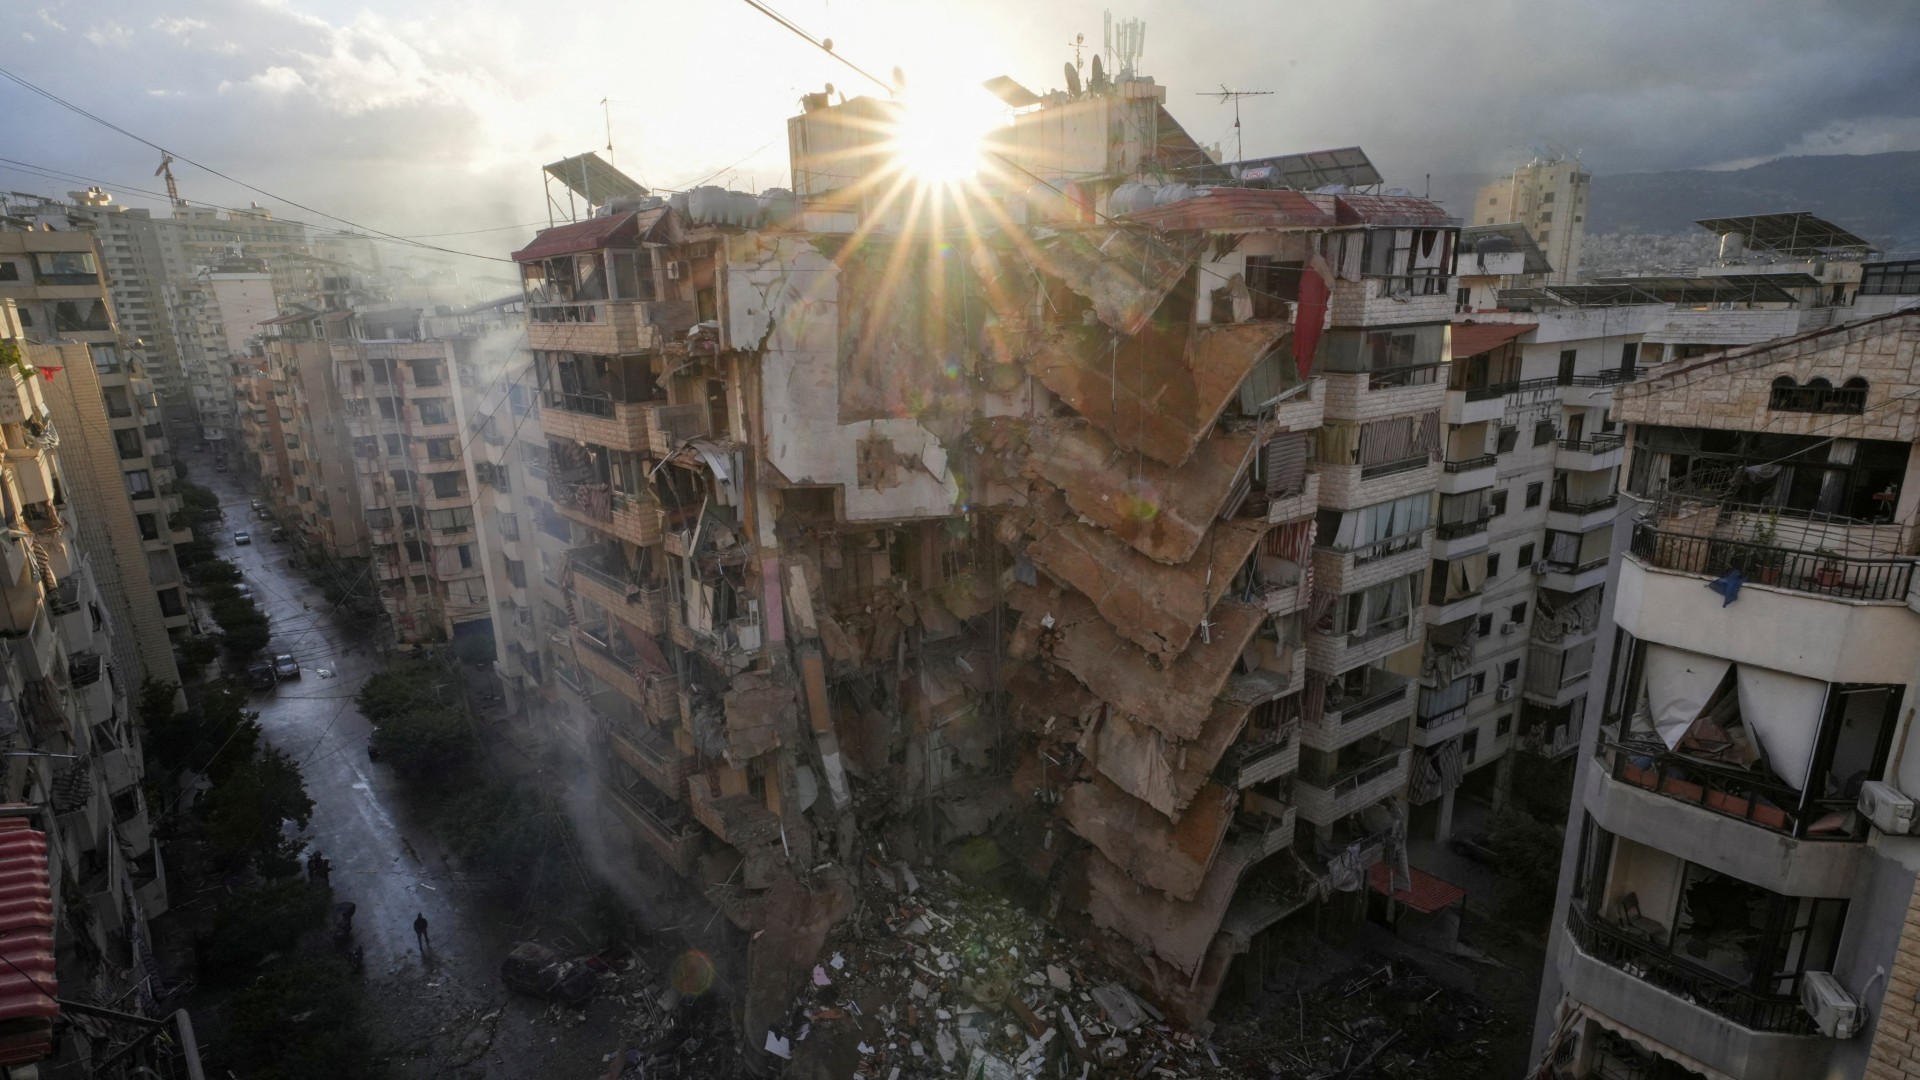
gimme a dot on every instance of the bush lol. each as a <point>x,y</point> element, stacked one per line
<point>252,923</point>
<point>192,553</point>
<point>300,1021</point>
<point>247,811</point>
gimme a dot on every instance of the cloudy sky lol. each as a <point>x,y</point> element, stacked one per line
<point>433,116</point>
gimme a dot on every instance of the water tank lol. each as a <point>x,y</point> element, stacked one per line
<point>777,206</point>
<point>1733,246</point>
<point>1130,197</point>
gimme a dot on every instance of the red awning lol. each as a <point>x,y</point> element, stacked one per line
<point>591,234</point>
<point>1407,211</point>
<point>27,981</point>
<point>1472,339</point>
<point>1428,895</point>
<point>1225,209</point>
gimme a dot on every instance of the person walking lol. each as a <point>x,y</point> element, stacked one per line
<point>420,933</point>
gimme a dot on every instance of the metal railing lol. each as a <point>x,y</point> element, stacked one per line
<point>1381,549</point>
<point>1353,780</point>
<point>1421,375</point>
<point>1369,472</point>
<point>1610,377</point>
<point>1502,389</point>
<point>1818,399</point>
<point>1484,461</point>
<point>1568,506</point>
<point>1645,762</point>
<point>1818,572</point>
<point>587,311</point>
<point>1368,706</point>
<point>1599,444</point>
<point>1657,966</point>
<point>1442,718</point>
<point>1453,530</point>
<point>600,405</point>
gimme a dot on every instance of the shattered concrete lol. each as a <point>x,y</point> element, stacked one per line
<point>1163,513</point>
<point>1173,858</point>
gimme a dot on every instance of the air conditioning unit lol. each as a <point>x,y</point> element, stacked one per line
<point>1504,692</point>
<point>1540,568</point>
<point>1886,807</point>
<point>1834,1011</point>
<point>676,270</point>
<point>1509,628</point>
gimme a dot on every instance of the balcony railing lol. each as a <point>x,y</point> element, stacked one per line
<point>587,404</point>
<point>1355,779</point>
<point>1442,718</point>
<point>1599,378</point>
<point>1818,399</point>
<point>1453,530</point>
<point>1645,762</point>
<point>1423,375</point>
<point>1381,549</point>
<point>1502,389</point>
<point>1371,704</point>
<point>1369,472</point>
<point>1599,444</point>
<point>1655,965</point>
<point>1568,506</point>
<point>1818,572</point>
<point>1484,461</point>
<point>581,312</point>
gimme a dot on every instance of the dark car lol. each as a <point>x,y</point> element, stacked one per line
<point>286,667</point>
<point>260,675</point>
<point>279,535</point>
<point>220,465</point>
<point>1474,846</point>
<point>536,970</point>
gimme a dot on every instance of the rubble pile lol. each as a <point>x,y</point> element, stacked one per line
<point>945,980</point>
<point>665,1034</point>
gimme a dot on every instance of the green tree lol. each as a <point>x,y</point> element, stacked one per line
<point>499,828</point>
<point>1528,855</point>
<point>195,653</point>
<point>425,742</point>
<point>254,922</point>
<point>243,629</point>
<point>301,1020</point>
<point>401,685</point>
<point>213,572</point>
<point>227,733</point>
<point>247,811</point>
<point>168,735</point>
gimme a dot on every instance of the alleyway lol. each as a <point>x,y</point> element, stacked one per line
<point>387,862</point>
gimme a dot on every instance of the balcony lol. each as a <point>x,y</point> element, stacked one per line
<point>1386,301</point>
<point>1348,570</point>
<point>1297,506</point>
<point>1645,762</point>
<point>645,607</point>
<point>1350,487</point>
<point>654,756</point>
<point>1630,951</point>
<point>635,520</point>
<point>1820,572</point>
<point>598,419</point>
<point>1246,764</point>
<point>1562,575</point>
<point>1589,455</point>
<point>1375,395</point>
<point>671,426</point>
<point>663,827</point>
<point>1327,801</point>
<point>1384,701</point>
<point>1265,832</point>
<point>598,657</point>
<point>741,821</point>
<point>606,327</point>
<point>1580,515</point>
<point>1303,411</point>
<point>1468,474</point>
<point>1333,654</point>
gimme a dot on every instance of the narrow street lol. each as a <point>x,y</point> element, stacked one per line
<point>433,1010</point>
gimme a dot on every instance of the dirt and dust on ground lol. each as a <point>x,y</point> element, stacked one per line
<point>945,979</point>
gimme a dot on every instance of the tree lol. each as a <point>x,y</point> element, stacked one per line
<point>254,922</point>
<point>1528,854</point>
<point>301,1020</point>
<point>248,809</point>
<point>401,685</point>
<point>213,572</point>
<point>426,741</point>
<point>243,629</point>
<point>227,733</point>
<point>168,735</point>
<point>499,828</point>
<point>195,653</point>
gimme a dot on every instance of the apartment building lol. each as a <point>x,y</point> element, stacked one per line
<point>77,845</point>
<point>116,451</point>
<point>1104,531</point>
<point>1548,197</point>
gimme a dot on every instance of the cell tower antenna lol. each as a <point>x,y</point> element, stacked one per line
<point>1079,42</point>
<point>166,170</point>
<point>1224,95</point>
<point>606,113</point>
<point>1126,42</point>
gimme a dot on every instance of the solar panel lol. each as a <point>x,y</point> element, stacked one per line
<point>1797,233</point>
<point>593,179</point>
<point>1348,165</point>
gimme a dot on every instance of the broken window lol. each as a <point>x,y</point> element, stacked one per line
<point>1374,532</point>
<point>1273,285</point>
<point>1382,609</point>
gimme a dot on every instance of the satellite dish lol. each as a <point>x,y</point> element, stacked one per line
<point>1099,80</point>
<point>1073,80</point>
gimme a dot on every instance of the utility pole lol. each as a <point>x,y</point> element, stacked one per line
<point>1224,95</point>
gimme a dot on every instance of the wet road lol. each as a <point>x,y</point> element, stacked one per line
<point>385,860</point>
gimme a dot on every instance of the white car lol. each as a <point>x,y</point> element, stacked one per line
<point>242,538</point>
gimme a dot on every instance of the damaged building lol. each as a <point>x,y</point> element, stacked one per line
<point>1080,531</point>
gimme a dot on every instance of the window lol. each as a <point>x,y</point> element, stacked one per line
<point>1544,432</point>
<point>170,602</point>
<point>106,358</point>
<point>416,551</point>
<point>457,519</point>
<point>1510,671</point>
<point>439,449</point>
<point>509,526</point>
<point>66,267</point>
<point>1503,726</point>
<point>402,480</point>
<point>386,409</point>
<point>1526,555</point>
<point>365,446</point>
<point>433,411</point>
<point>1479,682</point>
<point>1272,284</point>
<point>1497,502</point>
<point>1533,493</point>
<point>140,484</point>
<point>1469,746</point>
<point>1385,608</point>
<point>447,485</point>
<point>1485,627</point>
<point>1509,438</point>
<point>1546,215</point>
<point>1547,198</point>
<point>1569,361</point>
<point>517,573</point>
<point>1493,565</point>
<point>10,271</point>
<point>466,556</point>
<point>149,526</point>
<point>128,443</point>
<point>1518,613</point>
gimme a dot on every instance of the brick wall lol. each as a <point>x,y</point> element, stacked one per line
<point>1895,1053</point>
<point>1341,487</point>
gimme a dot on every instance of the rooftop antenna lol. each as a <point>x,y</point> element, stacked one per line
<point>1225,95</point>
<point>1079,42</point>
<point>606,113</point>
<point>1126,41</point>
<point>166,170</point>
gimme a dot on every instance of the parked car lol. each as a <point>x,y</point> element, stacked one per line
<point>534,969</point>
<point>279,535</point>
<point>220,465</point>
<point>243,589</point>
<point>1474,846</point>
<point>242,538</point>
<point>258,505</point>
<point>263,514</point>
<point>260,675</point>
<point>286,667</point>
<point>212,513</point>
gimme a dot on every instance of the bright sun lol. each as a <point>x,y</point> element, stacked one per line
<point>939,137</point>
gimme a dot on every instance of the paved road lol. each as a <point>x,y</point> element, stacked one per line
<point>384,859</point>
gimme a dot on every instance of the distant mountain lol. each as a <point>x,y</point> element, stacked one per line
<point>1874,195</point>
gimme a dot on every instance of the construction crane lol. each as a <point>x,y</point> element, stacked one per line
<point>1225,95</point>
<point>166,170</point>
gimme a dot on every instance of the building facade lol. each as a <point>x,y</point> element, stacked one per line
<point>1549,198</point>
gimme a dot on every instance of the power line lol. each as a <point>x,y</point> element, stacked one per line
<point>110,125</point>
<point>825,45</point>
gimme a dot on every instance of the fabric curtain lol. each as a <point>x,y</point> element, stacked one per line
<point>1679,684</point>
<point>1783,711</point>
<point>1397,439</point>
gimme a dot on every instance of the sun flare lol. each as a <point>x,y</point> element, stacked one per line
<point>940,138</point>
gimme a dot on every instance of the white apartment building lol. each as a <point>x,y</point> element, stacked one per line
<point>1549,198</point>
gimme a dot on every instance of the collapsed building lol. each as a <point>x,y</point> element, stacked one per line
<point>1089,517</point>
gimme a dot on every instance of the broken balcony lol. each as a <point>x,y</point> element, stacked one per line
<point>635,519</point>
<point>1363,627</point>
<point>610,583</point>
<point>606,327</point>
<point>1265,823</point>
<point>653,754</point>
<point>1357,705</point>
<point>1333,786</point>
<point>662,825</point>
<point>740,821</point>
<point>1262,756</point>
<point>609,418</point>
